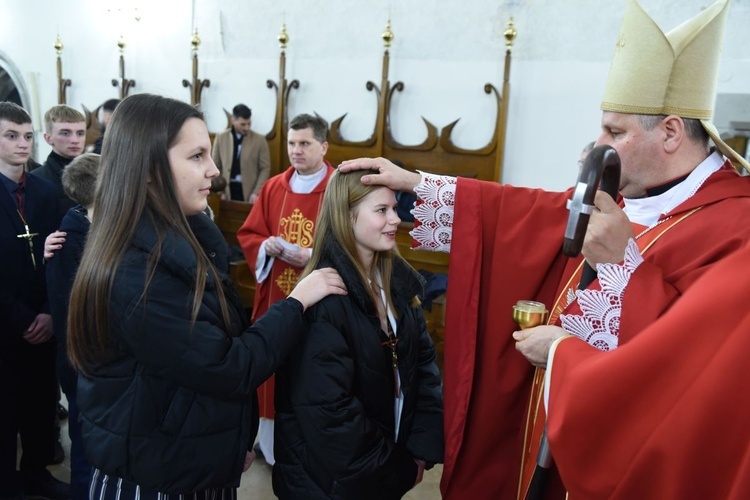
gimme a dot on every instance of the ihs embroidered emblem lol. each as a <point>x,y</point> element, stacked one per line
<point>297,229</point>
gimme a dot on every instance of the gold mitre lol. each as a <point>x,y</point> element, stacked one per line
<point>654,73</point>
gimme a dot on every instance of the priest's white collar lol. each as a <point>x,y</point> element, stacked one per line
<point>306,183</point>
<point>647,211</point>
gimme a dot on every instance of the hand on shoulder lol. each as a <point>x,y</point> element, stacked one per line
<point>53,243</point>
<point>318,285</point>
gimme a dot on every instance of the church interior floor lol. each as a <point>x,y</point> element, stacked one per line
<point>256,482</point>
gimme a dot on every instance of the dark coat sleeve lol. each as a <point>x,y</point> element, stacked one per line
<point>16,315</point>
<point>156,330</point>
<point>61,272</point>
<point>426,438</point>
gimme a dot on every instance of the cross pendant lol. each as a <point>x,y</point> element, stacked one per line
<point>391,342</point>
<point>27,236</point>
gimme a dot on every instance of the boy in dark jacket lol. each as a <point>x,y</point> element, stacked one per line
<point>79,183</point>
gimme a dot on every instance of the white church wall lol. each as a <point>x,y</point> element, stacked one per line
<point>444,51</point>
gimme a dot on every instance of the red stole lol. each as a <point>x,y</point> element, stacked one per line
<point>292,216</point>
<point>295,223</point>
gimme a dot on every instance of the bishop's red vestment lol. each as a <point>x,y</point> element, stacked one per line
<point>665,416</point>
<point>506,246</point>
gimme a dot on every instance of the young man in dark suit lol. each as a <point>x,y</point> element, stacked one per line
<point>28,387</point>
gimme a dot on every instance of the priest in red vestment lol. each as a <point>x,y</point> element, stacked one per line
<point>678,217</point>
<point>277,237</point>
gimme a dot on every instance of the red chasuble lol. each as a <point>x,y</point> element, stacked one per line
<point>506,247</point>
<point>279,212</point>
<point>537,416</point>
<point>665,416</point>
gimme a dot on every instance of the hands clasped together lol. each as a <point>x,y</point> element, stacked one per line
<point>291,254</point>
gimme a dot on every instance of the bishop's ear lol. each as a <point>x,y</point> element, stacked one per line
<point>674,132</point>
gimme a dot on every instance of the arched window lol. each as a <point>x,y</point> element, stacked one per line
<point>13,89</point>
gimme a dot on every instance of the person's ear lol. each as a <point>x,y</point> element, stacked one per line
<point>674,132</point>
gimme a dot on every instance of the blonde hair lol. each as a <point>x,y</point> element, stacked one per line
<point>342,197</point>
<point>62,114</point>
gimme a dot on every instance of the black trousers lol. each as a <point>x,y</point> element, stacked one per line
<point>28,403</point>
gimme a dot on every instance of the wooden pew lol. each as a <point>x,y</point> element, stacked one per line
<point>434,262</point>
<point>229,217</point>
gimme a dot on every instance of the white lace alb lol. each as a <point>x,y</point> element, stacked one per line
<point>599,324</point>
<point>435,214</point>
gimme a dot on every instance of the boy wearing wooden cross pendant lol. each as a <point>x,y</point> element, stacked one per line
<point>28,387</point>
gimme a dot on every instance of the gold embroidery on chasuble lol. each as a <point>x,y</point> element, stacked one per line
<point>287,280</point>
<point>297,229</point>
<point>567,295</point>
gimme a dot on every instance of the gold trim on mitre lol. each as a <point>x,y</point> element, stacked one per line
<point>673,74</point>
<point>654,73</point>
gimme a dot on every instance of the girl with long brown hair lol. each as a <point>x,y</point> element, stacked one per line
<point>168,367</point>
